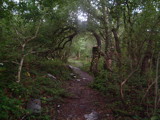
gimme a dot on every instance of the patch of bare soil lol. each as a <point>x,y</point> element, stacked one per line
<point>84,101</point>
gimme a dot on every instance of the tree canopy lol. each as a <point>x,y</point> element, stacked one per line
<point>118,38</point>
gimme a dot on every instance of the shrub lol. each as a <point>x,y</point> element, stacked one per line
<point>19,90</point>
<point>10,107</point>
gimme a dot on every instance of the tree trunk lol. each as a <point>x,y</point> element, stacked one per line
<point>95,60</point>
<point>23,44</point>
<point>156,85</point>
<point>78,54</point>
<point>20,69</point>
<point>106,61</point>
<point>95,54</point>
<point>146,62</point>
<point>97,39</point>
<point>117,46</point>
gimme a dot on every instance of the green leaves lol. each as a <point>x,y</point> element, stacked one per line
<point>18,90</point>
<point>155,117</point>
<point>10,107</point>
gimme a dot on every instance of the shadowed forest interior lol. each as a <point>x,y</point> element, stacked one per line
<point>59,53</point>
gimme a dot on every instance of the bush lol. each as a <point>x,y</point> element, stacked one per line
<point>19,90</point>
<point>100,82</point>
<point>10,107</point>
<point>56,68</point>
<point>34,84</point>
<point>49,87</point>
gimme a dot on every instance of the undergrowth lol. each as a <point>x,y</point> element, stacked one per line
<point>35,84</point>
<point>134,106</point>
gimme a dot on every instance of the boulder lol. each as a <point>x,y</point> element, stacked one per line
<point>34,105</point>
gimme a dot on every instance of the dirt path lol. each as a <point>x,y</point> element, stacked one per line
<point>85,103</point>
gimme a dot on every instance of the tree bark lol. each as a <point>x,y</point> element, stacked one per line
<point>95,54</point>
<point>23,45</point>
<point>97,39</point>
<point>117,45</point>
<point>20,69</point>
<point>156,85</point>
<point>95,60</point>
<point>146,62</point>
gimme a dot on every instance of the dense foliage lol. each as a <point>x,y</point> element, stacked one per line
<point>37,37</point>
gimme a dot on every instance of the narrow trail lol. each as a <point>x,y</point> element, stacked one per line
<point>84,103</point>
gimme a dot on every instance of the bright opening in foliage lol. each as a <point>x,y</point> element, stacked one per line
<point>82,16</point>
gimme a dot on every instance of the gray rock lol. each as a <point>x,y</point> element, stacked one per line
<point>58,106</point>
<point>34,105</point>
<point>51,76</point>
<point>58,111</point>
<point>78,80</point>
<point>70,66</point>
<point>84,78</point>
<point>1,64</point>
<point>92,116</point>
<point>107,115</point>
<point>73,75</point>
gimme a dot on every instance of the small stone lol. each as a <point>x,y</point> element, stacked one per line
<point>107,115</point>
<point>74,76</point>
<point>1,64</point>
<point>70,116</point>
<point>51,76</point>
<point>92,116</point>
<point>78,80</point>
<point>71,67</point>
<point>34,105</point>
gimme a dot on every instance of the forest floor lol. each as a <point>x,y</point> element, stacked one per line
<point>84,103</point>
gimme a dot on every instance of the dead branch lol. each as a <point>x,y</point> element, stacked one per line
<point>35,35</point>
<point>125,80</point>
<point>149,87</point>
